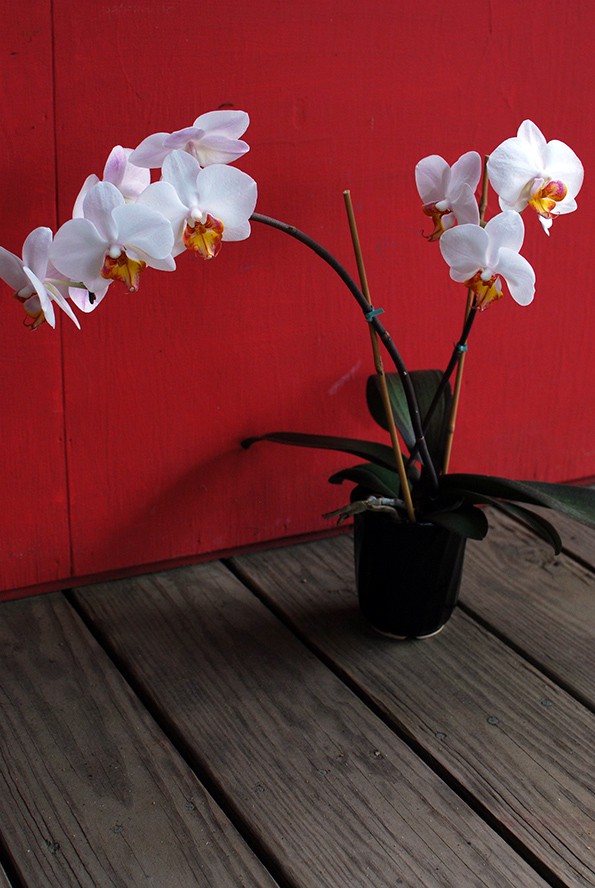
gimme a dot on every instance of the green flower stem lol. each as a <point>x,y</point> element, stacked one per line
<point>452,421</point>
<point>421,445</point>
<point>457,351</point>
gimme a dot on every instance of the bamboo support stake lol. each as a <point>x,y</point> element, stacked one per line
<point>452,419</point>
<point>378,364</point>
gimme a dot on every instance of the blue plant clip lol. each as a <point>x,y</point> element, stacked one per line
<point>373,313</point>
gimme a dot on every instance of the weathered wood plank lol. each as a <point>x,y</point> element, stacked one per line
<point>514,740</point>
<point>327,788</point>
<point>577,539</point>
<point>91,791</point>
<point>544,604</point>
<point>4,883</point>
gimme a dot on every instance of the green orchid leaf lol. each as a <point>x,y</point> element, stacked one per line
<point>577,502</point>
<point>540,526</point>
<point>467,521</point>
<point>379,454</point>
<point>377,480</point>
<point>425,384</point>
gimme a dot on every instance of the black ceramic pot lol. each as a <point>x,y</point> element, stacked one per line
<point>408,575</point>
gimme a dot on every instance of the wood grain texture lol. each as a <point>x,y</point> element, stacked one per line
<point>333,794</point>
<point>91,792</point>
<point>517,743</point>
<point>551,620</point>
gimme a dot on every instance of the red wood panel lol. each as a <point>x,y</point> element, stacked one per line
<point>161,387</point>
<point>34,542</point>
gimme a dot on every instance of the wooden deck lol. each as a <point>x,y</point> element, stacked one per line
<point>236,724</point>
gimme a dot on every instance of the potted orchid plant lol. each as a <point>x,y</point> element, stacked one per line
<point>411,515</point>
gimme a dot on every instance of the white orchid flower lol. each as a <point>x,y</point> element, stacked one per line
<point>130,180</point>
<point>213,138</point>
<point>448,193</point>
<point>35,281</point>
<point>528,171</point>
<point>204,206</point>
<point>114,241</point>
<point>479,256</point>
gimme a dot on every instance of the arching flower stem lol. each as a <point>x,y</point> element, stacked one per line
<point>420,446</point>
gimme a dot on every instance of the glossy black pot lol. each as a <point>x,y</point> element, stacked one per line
<point>408,575</point>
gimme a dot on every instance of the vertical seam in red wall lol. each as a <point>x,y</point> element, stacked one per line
<point>57,221</point>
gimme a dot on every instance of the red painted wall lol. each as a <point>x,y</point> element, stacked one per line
<point>121,442</point>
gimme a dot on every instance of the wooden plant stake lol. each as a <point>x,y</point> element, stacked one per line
<point>378,364</point>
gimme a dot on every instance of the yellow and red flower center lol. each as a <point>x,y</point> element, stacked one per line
<point>545,197</point>
<point>436,211</point>
<point>117,266</point>
<point>486,291</point>
<point>205,237</point>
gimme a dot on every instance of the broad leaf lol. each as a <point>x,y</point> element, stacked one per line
<point>577,502</point>
<point>425,384</point>
<point>375,479</point>
<point>380,454</point>
<point>540,526</point>
<point>466,521</point>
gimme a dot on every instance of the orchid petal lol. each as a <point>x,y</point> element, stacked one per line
<point>565,165</point>
<point>36,251</point>
<point>98,207</point>
<point>63,303</point>
<point>464,249</point>
<point>179,139</point>
<point>44,298</point>
<point>237,232</point>
<point>181,171</point>
<point>518,274</point>
<point>504,230</point>
<point>165,264</point>
<point>228,122</point>
<point>227,193</point>
<point>150,153</point>
<point>215,148</point>
<point>77,252</point>
<point>143,230</point>
<point>115,166</point>
<point>511,170</point>
<point>77,210</point>
<point>529,133</point>
<point>431,178</point>
<point>163,197</point>
<point>130,180</point>
<point>465,171</point>
<point>82,298</point>
<point>11,270</point>
<point>465,207</point>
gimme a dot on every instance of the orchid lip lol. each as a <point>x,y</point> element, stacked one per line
<point>122,268</point>
<point>204,238</point>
